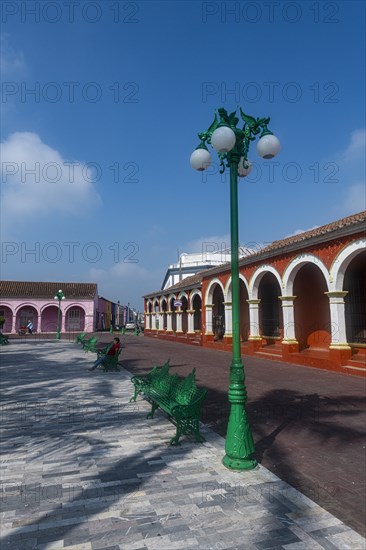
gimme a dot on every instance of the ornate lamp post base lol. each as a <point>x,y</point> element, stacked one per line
<point>239,444</point>
<point>239,463</point>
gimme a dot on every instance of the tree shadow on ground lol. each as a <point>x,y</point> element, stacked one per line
<point>84,473</point>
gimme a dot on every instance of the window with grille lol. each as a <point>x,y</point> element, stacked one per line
<point>26,315</point>
<point>74,319</point>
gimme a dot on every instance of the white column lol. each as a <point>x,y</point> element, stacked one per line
<point>190,313</point>
<point>161,321</point>
<point>148,320</point>
<point>254,319</point>
<point>63,321</point>
<point>169,321</point>
<point>228,319</point>
<point>289,336</point>
<point>179,313</point>
<point>13,323</point>
<point>338,320</point>
<point>208,329</point>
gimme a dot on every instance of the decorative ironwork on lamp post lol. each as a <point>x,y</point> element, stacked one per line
<point>232,144</point>
<point>59,296</point>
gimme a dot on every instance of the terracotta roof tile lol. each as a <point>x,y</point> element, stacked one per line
<point>317,232</point>
<point>46,290</point>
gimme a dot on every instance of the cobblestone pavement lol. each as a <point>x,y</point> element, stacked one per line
<point>83,469</point>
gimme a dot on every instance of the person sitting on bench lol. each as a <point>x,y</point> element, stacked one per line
<point>113,350</point>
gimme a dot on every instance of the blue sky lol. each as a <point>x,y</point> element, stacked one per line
<point>96,180</point>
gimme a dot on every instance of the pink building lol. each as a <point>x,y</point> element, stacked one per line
<point>23,301</point>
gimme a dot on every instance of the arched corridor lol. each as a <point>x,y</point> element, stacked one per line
<point>218,313</point>
<point>197,306</point>
<point>270,313</point>
<point>311,308</point>
<point>302,300</point>
<point>355,301</point>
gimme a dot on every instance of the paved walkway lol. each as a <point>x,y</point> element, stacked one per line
<point>308,424</point>
<point>83,469</point>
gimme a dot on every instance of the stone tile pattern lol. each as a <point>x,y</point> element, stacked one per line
<point>83,469</point>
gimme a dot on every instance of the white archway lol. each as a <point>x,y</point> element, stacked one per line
<point>194,293</point>
<point>228,287</point>
<point>295,265</point>
<point>341,262</point>
<point>257,277</point>
<point>210,290</point>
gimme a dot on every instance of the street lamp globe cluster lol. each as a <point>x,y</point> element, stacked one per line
<point>224,136</point>
<point>59,296</point>
<point>232,145</point>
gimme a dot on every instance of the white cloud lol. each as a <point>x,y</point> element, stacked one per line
<point>221,246</point>
<point>352,163</point>
<point>355,200</point>
<point>37,181</point>
<point>12,62</point>
<point>211,244</point>
<point>114,281</point>
<point>356,148</point>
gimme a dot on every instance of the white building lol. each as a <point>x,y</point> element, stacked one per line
<point>190,264</point>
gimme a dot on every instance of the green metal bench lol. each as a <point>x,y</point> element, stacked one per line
<point>144,380</point>
<point>80,338</point>
<point>179,398</point>
<point>89,345</point>
<point>110,363</point>
<point>4,340</point>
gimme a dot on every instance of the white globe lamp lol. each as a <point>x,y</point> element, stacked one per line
<point>200,159</point>
<point>244,168</point>
<point>268,146</point>
<point>223,139</point>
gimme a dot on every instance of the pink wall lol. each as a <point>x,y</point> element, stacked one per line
<point>8,314</point>
<point>45,314</point>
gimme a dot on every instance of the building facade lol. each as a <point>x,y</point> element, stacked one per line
<point>21,302</point>
<point>302,300</point>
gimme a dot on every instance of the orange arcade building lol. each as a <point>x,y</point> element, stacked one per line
<point>302,301</point>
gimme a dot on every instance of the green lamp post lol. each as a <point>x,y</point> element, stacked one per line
<point>232,144</point>
<point>59,296</point>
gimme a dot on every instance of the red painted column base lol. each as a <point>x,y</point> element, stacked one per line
<point>340,356</point>
<point>287,349</point>
<point>254,345</point>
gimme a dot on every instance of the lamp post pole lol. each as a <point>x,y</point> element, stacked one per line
<point>59,296</point>
<point>232,144</point>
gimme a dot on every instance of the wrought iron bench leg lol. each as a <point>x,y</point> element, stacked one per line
<point>196,430</point>
<point>137,392</point>
<point>175,440</point>
<point>154,406</point>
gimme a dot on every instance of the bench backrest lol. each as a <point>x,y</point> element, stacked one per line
<point>186,391</point>
<point>114,358</point>
<point>165,384</point>
<point>158,372</point>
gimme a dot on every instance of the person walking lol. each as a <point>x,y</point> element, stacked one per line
<point>30,327</point>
